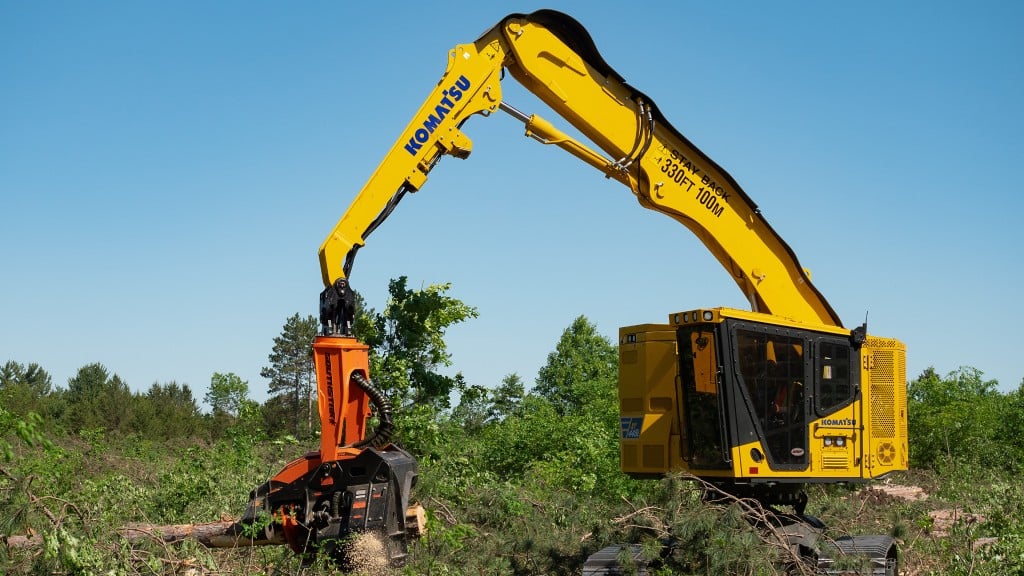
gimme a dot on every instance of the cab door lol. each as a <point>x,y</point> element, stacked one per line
<point>771,365</point>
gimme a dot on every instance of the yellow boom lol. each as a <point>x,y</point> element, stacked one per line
<point>553,57</point>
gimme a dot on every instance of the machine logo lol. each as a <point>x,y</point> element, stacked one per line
<point>330,389</point>
<point>851,422</point>
<point>448,99</point>
<point>630,427</point>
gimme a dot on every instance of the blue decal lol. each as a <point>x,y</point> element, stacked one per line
<point>631,427</point>
<point>447,103</point>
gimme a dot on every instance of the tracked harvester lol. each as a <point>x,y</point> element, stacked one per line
<point>759,403</point>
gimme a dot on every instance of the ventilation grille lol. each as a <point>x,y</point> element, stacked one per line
<point>883,398</point>
<point>835,462</point>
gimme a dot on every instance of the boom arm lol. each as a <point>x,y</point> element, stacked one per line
<point>553,57</point>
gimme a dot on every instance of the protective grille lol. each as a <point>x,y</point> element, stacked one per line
<point>883,408</point>
<point>835,462</point>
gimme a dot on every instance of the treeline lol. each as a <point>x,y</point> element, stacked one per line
<point>96,400</point>
<point>408,358</point>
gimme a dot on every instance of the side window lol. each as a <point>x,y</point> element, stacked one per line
<point>835,386</point>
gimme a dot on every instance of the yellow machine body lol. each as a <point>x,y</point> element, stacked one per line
<point>730,395</point>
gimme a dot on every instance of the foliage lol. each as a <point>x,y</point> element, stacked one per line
<point>25,389</point>
<point>97,399</point>
<point>167,411</point>
<point>507,399</point>
<point>28,430</point>
<point>291,372</point>
<point>959,419</point>
<point>227,395</point>
<point>581,372</point>
<point>407,343</point>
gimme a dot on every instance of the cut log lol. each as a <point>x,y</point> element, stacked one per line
<point>229,534</point>
<point>416,521</point>
<point>226,534</point>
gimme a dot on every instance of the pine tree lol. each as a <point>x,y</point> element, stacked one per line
<point>97,400</point>
<point>291,371</point>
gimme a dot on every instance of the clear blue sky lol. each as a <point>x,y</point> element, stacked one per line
<point>168,171</point>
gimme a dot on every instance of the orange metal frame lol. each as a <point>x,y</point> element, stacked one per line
<point>344,407</point>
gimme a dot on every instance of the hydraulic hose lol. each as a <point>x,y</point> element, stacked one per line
<point>382,434</point>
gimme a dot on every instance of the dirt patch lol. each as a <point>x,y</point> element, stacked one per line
<point>944,520</point>
<point>888,493</point>
<point>367,555</point>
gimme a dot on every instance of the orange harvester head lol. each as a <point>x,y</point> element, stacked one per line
<point>352,484</point>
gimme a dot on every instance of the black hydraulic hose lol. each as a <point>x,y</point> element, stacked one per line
<point>382,434</point>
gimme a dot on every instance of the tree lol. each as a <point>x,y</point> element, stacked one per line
<point>472,411</point>
<point>291,372</point>
<point>228,394</point>
<point>407,343</point>
<point>507,398</point>
<point>233,412</point>
<point>582,371</point>
<point>167,411</point>
<point>955,418</point>
<point>25,389</point>
<point>564,432</point>
<point>1011,429</point>
<point>98,400</point>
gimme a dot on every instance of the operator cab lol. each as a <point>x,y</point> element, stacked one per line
<point>738,397</point>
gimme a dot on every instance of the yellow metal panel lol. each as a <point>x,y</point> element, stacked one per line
<point>883,373</point>
<point>647,398</point>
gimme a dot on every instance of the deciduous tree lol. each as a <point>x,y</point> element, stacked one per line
<point>228,393</point>
<point>407,342</point>
<point>954,418</point>
<point>582,371</point>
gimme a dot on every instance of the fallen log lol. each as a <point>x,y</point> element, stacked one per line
<point>229,534</point>
<point>225,534</point>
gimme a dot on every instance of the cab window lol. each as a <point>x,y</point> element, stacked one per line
<point>835,385</point>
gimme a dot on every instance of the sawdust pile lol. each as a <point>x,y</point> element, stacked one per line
<point>367,555</point>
